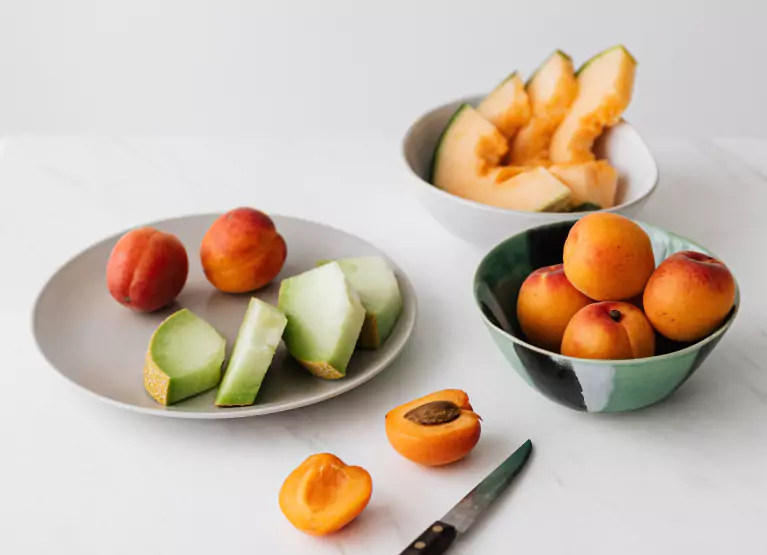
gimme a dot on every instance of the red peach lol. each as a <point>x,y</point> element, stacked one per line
<point>242,251</point>
<point>147,269</point>
<point>609,330</point>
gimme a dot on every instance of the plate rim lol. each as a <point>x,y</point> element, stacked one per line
<point>409,298</point>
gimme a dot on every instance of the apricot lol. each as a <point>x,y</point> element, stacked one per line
<point>609,330</point>
<point>324,494</point>
<point>147,269</point>
<point>242,251</point>
<point>607,257</point>
<point>546,302</point>
<point>436,429</point>
<point>689,295</point>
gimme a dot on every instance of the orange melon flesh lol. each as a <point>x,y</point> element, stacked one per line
<point>591,182</point>
<point>551,90</point>
<point>605,86</point>
<point>507,107</point>
<point>466,164</point>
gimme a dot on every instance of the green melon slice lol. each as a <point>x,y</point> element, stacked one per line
<point>467,164</point>
<point>379,293</point>
<point>507,106</point>
<point>551,89</point>
<point>325,318</point>
<point>184,358</point>
<point>605,87</point>
<point>257,340</point>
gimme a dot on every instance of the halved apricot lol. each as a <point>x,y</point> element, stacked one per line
<point>434,430</point>
<point>323,494</point>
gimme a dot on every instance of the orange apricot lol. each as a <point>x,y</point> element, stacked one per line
<point>324,494</point>
<point>436,429</point>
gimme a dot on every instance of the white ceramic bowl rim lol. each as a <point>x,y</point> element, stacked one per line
<point>608,362</point>
<point>542,215</point>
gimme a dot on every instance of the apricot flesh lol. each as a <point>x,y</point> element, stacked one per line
<point>608,257</point>
<point>242,251</point>
<point>324,494</point>
<point>689,295</point>
<point>147,269</point>
<point>434,430</point>
<point>609,330</point>
<point>546,303</point>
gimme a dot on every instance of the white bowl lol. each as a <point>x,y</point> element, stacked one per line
<point>487,225</point>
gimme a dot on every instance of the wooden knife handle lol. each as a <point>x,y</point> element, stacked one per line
<point>435,540</point>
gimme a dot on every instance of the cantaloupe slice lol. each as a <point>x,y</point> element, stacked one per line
<point>467,164</point>
<point>507,106</point>
<point>590,182</point>
<point>184,358</point>
<point>605,86</point>
<point>551,89</point>
<point>325,318</point>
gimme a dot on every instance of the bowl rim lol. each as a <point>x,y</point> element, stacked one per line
<point>473,99</point>
<point>724,326</point>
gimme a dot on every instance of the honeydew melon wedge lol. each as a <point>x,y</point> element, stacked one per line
<point>325,318</point>
<point>592,183</point>
<point>184,358</point>
<point>551,89</point>
<point>379,293</point>
<point>467,164</point>
<point>507,106</point>
<point>257,340</point>
<point>605,87</point>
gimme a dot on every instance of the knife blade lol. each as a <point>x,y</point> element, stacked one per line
<point>438,537</point>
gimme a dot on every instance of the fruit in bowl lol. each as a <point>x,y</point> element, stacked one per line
<point>618,354</point>
<point>487,166</point>
<point>546,135</point>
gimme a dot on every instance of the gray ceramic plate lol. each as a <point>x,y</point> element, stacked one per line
<point>100,345</point>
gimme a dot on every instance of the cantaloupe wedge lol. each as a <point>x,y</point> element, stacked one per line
<point>590,182</point>
<point>467,164</point>
<point>605,86</point>
<point>507,106</point>
<point>551,90</point>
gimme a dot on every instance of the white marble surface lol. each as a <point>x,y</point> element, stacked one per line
<point>83,477</point>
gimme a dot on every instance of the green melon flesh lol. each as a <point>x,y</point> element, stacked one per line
<point>325,318</point>
<point>507,106</point>
<point>184,358</point>
<point>257,340</point>
<point>605,87</point>
<point>379,293</point>
<point>467,165</point>
<point>551,89</point>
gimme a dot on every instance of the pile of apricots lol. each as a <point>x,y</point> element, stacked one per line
<point>607,300</point>
<point>324,494</point>
<point>240,252</point>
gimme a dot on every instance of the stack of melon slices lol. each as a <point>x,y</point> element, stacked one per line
<point>322,316</point>
<point>529,146</point>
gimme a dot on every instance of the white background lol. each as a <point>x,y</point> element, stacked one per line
<point>359,68</point>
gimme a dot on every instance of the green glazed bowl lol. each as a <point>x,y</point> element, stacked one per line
<point>582,384</point>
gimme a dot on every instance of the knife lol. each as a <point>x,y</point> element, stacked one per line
<point>438,537</point>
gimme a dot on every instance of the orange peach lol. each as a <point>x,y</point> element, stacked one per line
<point>607,257</point>
<point>324,494</point>
<point>609,330</point>
<point>436,429</point>
<point>242,251</point>
<point>689,295</point>
<point>546,302</point>
<point>147,269</point>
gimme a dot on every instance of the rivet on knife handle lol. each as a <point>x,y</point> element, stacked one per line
<point>435,540</point>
